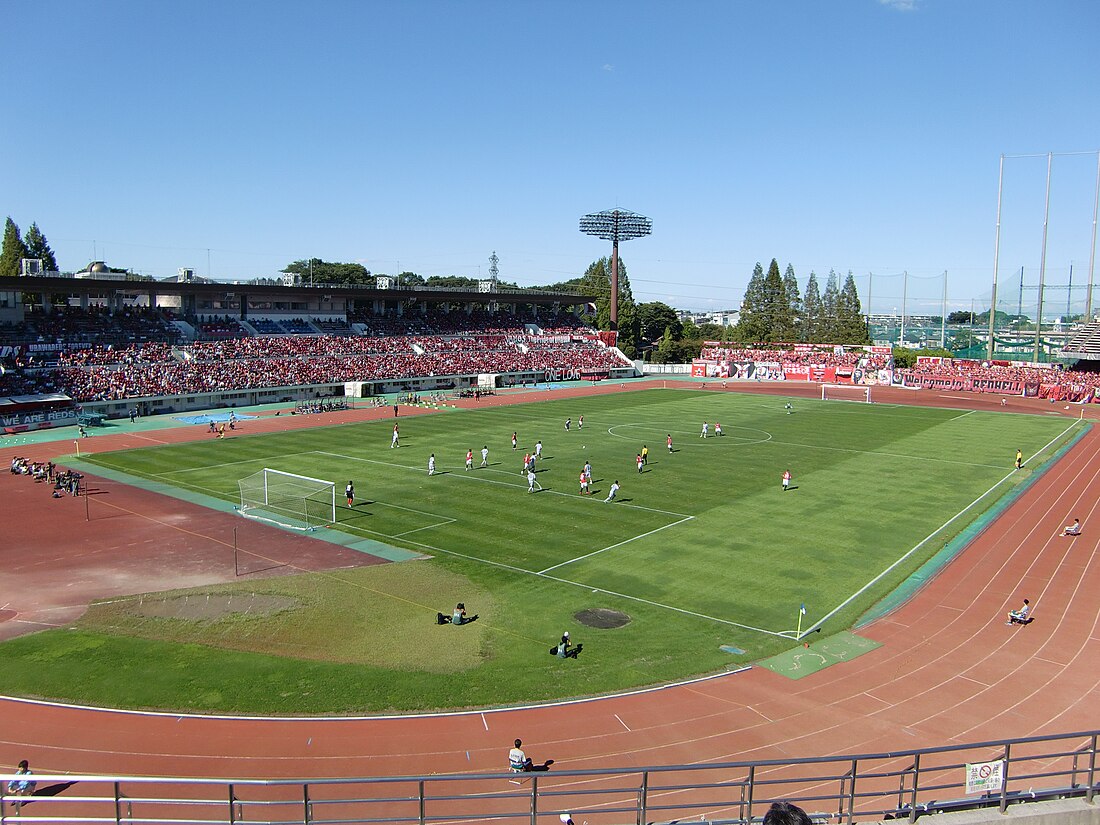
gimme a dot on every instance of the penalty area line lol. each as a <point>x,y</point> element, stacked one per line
<point>613,546</point>
<point>682,611</point>
<point>651,603</point>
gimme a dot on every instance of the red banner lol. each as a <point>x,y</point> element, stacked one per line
<point>955,383</point>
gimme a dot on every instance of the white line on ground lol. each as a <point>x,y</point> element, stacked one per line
<point>927,538</point>
<point>231,463</point>
<point>621,722</point>
<point>886,455</point>
<point>436,715</point>
<point>522,485</point>
<point>613,546</point>
<point>425,527</point>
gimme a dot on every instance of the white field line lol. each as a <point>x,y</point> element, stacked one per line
<point>425,527</point>
<point>925,540</point>
<point>510,567</point>
<point>887,455</point>
<point>651,603</point>
<point>347,528</point>
<point>480,477</point>
<point>740,441</point>
<point>589,587</point>
<point>613,546</point>
<point>231,464</point>
<point>695,680</point>
<point>468,557</point>
<point>731,438</point>
<point>964,415</point>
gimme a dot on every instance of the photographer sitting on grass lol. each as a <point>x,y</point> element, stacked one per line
<point>565,648</point>
<point>457,617</point>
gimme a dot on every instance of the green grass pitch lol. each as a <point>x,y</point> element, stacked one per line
<point>701,549</point>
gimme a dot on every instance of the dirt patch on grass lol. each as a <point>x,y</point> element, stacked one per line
<point>213,606</point>
<point>602,618</point>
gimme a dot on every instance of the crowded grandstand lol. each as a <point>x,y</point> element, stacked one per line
<point>93,356</point>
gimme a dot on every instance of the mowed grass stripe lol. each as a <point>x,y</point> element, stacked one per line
<point>871,483</point>
<point>709,568</point>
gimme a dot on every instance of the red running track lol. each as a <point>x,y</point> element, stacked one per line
<point>948,671</point>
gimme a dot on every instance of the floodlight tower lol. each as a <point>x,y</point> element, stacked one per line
<point>616,225</point>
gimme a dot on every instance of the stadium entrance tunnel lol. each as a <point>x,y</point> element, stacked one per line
<point>602,618</point>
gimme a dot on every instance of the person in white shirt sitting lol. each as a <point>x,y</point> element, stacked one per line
<point>1020,616</point>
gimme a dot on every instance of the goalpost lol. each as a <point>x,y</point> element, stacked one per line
<point>288,499</point>
<point>846,392</point>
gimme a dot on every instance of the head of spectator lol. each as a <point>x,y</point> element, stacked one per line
<point>786,813</point>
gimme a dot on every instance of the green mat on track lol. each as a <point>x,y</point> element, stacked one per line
<point>802,661</point>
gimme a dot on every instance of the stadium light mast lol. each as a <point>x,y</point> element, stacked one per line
<point>616,225</point>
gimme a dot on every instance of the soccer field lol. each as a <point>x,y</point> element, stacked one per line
<point>702,555</point>
<point>705,533</point>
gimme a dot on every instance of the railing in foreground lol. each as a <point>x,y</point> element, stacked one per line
<point>841,789</point>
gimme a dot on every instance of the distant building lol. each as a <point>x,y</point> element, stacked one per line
<point>723,318</point>
<point>101,272</point>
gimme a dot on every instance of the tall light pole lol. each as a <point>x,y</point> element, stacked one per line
<point>616,225</point>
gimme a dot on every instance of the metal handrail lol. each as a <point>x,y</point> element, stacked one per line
<point>835,789</point>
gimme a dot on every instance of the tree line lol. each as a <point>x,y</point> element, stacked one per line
<point>17,246</point>
<point>332,272</point>
<point>773,309</point>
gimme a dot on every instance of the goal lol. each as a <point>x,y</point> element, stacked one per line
<point>288,499</point>
<point>846,392</point>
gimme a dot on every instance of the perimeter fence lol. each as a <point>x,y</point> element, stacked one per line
<point>870,787</point>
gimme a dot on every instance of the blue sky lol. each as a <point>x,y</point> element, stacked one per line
<point>861,135</point>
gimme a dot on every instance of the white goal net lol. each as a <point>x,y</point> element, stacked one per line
<point>846,392</point>
<point>288,499</point>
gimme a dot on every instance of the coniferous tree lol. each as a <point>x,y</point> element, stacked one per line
<point>830,300</point>
<point>776,309</point>
<point>12,251</point>
<point>811,311</point>
<point>851,325</point>
<point>38,247</point>
<point>596,283</point>
<point>752,326</point>
<point>794,304</point>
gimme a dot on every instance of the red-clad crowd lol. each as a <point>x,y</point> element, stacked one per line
<point>964,374</point>
<point>1045,382</point>
<point>153,369</point>
<point>802,357</point>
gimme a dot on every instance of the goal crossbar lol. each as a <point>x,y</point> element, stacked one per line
<point>846,392</point>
